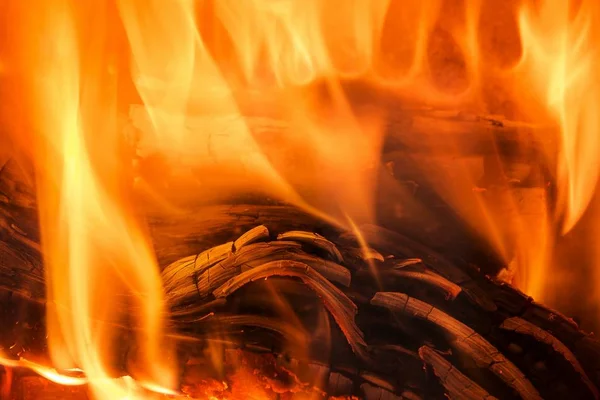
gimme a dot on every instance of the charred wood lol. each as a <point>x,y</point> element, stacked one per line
<point>463,339</point>
<point>383,366</point>
<point>458,385</point>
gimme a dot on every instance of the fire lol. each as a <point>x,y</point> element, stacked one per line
<point>194,72</point>
<point>560,63</point>
<point>49,373</point>
<point>96,253</point>
<point>562,60</point>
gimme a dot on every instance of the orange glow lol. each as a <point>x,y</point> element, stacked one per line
<point>49,373</point>
<point>251,96</point>
<point>6,382</point>
<point>560,57</point>
<point>95,251</point>
<point>560,64</point>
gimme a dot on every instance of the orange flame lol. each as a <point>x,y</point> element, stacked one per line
<point>561,59</point>
<point>199,69</point>
<point>559,65</point>
<point>49,373</point>
<point>94,249</point>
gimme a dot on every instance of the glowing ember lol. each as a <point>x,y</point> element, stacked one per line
<point>198,68</point>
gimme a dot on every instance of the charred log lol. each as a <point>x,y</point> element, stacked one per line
<point>387,363</point>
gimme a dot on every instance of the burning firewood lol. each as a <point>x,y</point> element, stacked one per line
<point>525,327</point>
<point>282,216</point>
<point>463,340</point>
<point>474,348</point>
<point>267,295</point>
<point>233,275</point>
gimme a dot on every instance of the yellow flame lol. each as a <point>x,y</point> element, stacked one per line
<point>190,101</point>
<point>559,66</point>
<point>49,373</point>
<point>93,247</point>
<point>560,54</point>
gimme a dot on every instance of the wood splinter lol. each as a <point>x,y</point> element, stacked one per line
<point>254,235</point>
<point>450,289</point>
<point>313,239</point>
<point>337,303</point>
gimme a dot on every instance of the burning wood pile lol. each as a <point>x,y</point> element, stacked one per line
<point>280,313</point>
<point>299,200</point>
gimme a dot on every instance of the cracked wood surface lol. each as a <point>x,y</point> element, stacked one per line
<point>458,385</point>
<point>462,338</point>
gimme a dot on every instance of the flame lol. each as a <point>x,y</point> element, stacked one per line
<point>191,102</point>
<point>95,250</point>
<point>47,372</point>
<point>561,59</point>
<point>252,96</point>
<point>560,64</point>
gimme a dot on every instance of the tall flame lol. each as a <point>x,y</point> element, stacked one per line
<point>559,65</point>
<point>99,264</point>
<point>561,58</point>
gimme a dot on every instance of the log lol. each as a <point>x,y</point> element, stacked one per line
<point>387,364</point>
<point>464,340</point>
<point>410,129</point>
<point>458,335</point>
<point>525,327</point>
<point>187,232</point>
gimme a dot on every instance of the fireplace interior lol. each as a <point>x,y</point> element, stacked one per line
<point>320,199</point>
